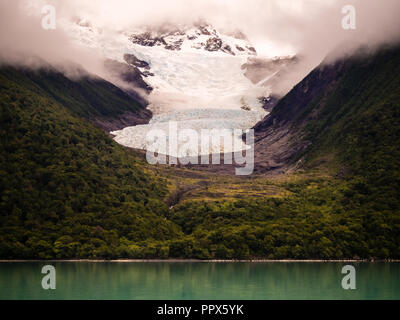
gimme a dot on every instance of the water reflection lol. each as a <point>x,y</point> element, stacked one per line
<point>199,281</point>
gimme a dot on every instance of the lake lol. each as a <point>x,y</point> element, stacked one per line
<point>199,280</point>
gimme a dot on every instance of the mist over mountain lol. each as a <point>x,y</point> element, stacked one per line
<point>276,28</point>
<point>332,143</point>
<point>77,103</point>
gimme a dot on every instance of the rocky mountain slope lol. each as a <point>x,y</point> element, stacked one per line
<point>200,36</point>
<point>330,111</point>
<point>65,186</point>
<point>69,191</point>
<point>88,96</point>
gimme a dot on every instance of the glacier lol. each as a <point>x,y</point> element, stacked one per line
<point>196,88</point>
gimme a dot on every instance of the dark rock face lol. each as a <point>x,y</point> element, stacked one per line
<point>319,82</point>
<point>213,44</point>
<point>175,46</point>
<point>279,138</point>
<point>204,30</point>
<point>252,49</point>
<point>125,120</point>
<point>258,69</point>
<point>147,74</point>
<point>269,102</point>
<point>147,39</point>
<point>127,73</point>
<point>171,38</point>
<point>151,39</point>
<point>133,61</point>
<point>130,75</point>
<point>226,48</point>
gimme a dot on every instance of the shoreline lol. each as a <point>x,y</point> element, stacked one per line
<point>203,261</point>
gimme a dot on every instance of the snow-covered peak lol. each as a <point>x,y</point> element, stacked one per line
<point>185,65</point>
<point>195,71</point>
<point>200,36</point>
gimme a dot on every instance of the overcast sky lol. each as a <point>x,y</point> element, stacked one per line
<point>276,27</point>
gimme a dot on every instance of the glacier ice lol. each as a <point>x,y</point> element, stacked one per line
<point>196,88</point>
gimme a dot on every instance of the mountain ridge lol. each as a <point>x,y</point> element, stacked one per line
<point>69,191</point>
<point>316,99</point>
<point>89,96</point>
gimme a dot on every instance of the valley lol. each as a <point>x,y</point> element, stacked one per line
<point>325,184</point>
<point>199,77</point>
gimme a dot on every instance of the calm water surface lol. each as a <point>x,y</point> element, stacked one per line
<point>164,281</point>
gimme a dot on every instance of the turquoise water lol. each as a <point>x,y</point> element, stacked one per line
<point>165,281</point>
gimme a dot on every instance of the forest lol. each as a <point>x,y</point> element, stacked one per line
<point>68,191</point>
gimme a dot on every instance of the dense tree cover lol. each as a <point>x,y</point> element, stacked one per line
<point>323,218</point>
<point>360,122</point>
<point>354,121</point>
<point>87,96</point>
<point>68,191</point>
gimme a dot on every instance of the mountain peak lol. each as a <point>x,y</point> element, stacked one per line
<point>200,36</point>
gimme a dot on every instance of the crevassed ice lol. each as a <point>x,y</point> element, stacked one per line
<point>198,91</point>
<point>206,123</point>
<point>196,88</point>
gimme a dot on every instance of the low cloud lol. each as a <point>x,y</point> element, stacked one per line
<point>309,28</point>
<point>24,42</point>
<point>275,26</point>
